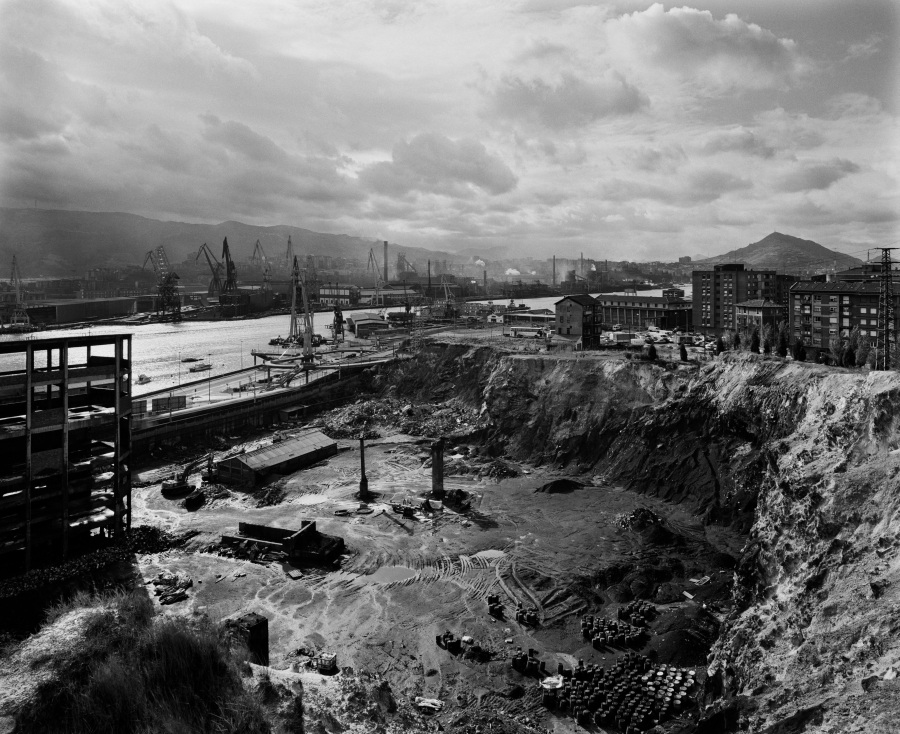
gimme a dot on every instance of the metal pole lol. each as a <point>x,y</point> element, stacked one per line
<point>209,379</point>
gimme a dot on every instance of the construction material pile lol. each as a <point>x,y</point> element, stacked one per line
<point>366,417</point>
<point>171,587</point>
<point>631,696</point>
<point>247,550</point>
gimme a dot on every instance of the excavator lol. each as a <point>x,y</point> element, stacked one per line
<point>177,484</point>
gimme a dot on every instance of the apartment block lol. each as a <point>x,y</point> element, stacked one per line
<point>716,292</point>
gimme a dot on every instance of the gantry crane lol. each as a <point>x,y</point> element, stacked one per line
<point>259,259</point>
<point>168,302</point>
<point>215,284</point>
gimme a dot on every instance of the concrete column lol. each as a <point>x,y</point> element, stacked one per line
<point>437,469</point>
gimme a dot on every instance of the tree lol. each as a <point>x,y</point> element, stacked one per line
<point>799,350</point>
<point>836,349</point>
<point>720,346</point>
<point>735,341</point>
<point>651,353</point>
<point>863,350</point>
<point>849,357</point>
<point>682,352</point>
<point>768,338</point>
<point>783,339</point>
<point>754,342</point>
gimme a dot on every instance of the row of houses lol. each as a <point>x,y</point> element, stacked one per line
<point>730,296</point>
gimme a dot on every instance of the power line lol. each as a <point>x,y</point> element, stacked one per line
<point>885,312</point>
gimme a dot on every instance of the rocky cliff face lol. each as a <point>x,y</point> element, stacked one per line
<point>803,459</point>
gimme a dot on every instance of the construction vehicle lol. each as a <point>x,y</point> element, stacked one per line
<point>177,484</point>
<point>168,302</point>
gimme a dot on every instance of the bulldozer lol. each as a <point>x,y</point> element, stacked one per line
<point>177,485</point>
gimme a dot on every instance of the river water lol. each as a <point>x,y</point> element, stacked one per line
<point>159,348</point>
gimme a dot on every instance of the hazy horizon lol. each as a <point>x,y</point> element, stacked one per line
<point>623,130</point>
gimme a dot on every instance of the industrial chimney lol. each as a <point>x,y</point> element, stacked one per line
<point>385,262</point>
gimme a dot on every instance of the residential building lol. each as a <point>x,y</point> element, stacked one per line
<point>639,312</point>
<point>866,271</point>
<point>717,291</point>
<point>757,313</point>
<point>575,316</point>
<point>820,311</point>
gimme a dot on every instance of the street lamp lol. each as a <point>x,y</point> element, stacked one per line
<point>209,379</point>
<point>242,354</point>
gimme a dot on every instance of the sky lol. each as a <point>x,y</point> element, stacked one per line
<point>622,130</point>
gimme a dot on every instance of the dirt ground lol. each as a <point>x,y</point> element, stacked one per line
<point>402,581</point>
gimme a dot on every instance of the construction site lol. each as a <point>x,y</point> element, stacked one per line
<point>499,539</point>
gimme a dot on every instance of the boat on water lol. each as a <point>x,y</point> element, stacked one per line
<point>191,359</point>
<point>200,368</point>
<point>143,379</point>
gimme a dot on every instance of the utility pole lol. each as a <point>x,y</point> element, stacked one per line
<point>885,312</point>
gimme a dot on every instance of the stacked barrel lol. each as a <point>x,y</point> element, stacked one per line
<point>609,633</point>
<point>637,613</point>
<point>495,608</point>
<point>527,664</point>
<point>632,696</point>
<point>450,642</point>
<point>527,616</point>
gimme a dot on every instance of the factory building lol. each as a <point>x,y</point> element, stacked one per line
<point>639,312</point>
<point>282,458</point>
<point>65,439</point>
<point>575,316</point>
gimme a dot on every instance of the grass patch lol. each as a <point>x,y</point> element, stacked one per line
<point>129,672</point>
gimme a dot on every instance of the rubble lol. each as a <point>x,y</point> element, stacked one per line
<point>171,587</point>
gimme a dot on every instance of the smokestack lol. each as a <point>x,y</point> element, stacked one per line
<point>363,480</point>
<point>437,469</point>
<point>385,261</point>
<point>554,271</point>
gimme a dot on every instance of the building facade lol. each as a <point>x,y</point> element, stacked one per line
<point>337,294</point>
<point>717,291</point>
<point>639,312</point>
<point>757,313</point>
<point>575,316</point>
<point>820,311</point>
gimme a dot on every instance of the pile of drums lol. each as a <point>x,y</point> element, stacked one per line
<point>608,633</point>
<point>637,613</point>
<point>528,664</point>
<point>449,642</point>
<point>527,616</point>
<point>495,608</point>
<point>632,696</point>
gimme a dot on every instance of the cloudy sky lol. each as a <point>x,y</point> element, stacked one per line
<point>621,129</point>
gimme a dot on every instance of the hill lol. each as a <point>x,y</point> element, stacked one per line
<point>785,252</point>
<point>56,242</point>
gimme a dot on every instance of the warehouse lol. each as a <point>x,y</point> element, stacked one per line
<point>280,458</point>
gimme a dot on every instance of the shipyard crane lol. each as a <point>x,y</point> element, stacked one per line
<point>259,259</point>
<point>300,333</point>
<point>215,285</point>
<point>289,255</point>
<point>379,283</point>
<point>19,319</point>
<point>168,302</point>
<point>230,284</point>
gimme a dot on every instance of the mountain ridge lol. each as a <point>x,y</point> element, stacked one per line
<point>785,252</point>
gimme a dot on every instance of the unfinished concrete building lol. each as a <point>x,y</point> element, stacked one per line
<point>65,438</point>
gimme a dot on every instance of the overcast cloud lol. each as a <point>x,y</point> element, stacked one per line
<point>618,129</point>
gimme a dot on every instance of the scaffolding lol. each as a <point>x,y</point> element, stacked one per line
<point>65,438</point>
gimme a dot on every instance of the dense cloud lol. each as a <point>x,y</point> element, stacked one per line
<point>436,164</point>
<point>571,102</point>
<point>558,124</point>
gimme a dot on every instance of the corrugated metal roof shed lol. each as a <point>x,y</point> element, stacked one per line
<point>287,450</point>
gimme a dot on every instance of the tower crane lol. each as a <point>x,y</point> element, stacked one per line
<point>215,285</point>
<point>300,332</point>
<point>259,259</point>
<point>168,302</point>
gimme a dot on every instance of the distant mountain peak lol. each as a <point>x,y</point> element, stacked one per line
<point>787,253</point>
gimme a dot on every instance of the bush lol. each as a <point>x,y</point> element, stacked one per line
<point>799,351</point>
<point>132,673</point>
<point>720,346</point>
<point>651,353</point>
<point>754,342</point>
<point>682,352</point>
